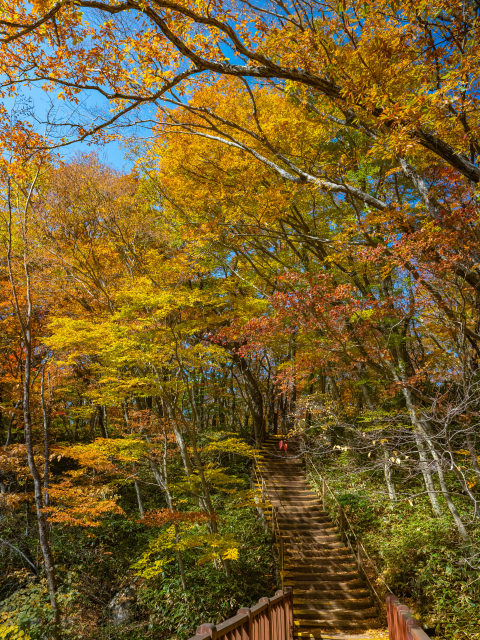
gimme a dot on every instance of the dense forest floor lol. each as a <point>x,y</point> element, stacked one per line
<point>101,594</point>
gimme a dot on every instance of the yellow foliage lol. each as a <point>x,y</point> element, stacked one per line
<point>161,551</point>
<point>231,445</point>
<point>12,632</point>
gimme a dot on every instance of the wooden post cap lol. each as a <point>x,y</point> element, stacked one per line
<point>207,627</point>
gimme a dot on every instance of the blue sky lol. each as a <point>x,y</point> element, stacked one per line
<point>34,104</point>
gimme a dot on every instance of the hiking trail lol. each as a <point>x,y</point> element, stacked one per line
<point>330,597</point>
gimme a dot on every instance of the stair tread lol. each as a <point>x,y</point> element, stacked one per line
<point>363,625</point>
<point>335,614</point>
<point>305,603</point>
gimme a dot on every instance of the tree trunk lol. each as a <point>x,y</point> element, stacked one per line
<point>37,485</point>
<point>256,398</point>
<point>446,493</point>
<point>139,498</point>
<point>26,330</point>
<point>427,476</point>
<point>46,425</point>
<point>387,469</point>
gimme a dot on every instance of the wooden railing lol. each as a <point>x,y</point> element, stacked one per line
<point>277,537</point>
<point>270,619</point>
<point>401,623</point>
<point>348,536</point>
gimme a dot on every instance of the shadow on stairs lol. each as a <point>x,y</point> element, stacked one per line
<point>330,598</point>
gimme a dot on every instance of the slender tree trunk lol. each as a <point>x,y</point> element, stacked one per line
<point>424,466</point>
<point>335,391</point>
<point>11,421</point>
<point>27,514</point>
<point>446,493</point>
<point>387,469</point>
<point>255,395</point>
<point>101,415</point>
<point>46,425</point>
<point>427,476</point>
<point>181,566</point>
<point>26,329</point>
<point>162,481</point>
<point>139,498</point>
<point>166,408</point>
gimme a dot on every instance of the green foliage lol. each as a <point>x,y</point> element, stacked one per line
<point>27,613</point>
<point>210,596</point>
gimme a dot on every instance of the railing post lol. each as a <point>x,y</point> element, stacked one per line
<point>342,524</point>
<point>268,635</point>
<point>274,521</point>
<point>323,494</point>
<point>209,628</point>
<point>289,609</point>
<point>264,491</point>
<point>247,627</point>
<point>359,555</point>
<point>282,627</point>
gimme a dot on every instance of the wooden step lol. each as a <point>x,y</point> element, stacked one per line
<point>292,500</point>
<point>303,518</point>
<point>309,555</point>
<point>301,546</point>
<point>321,576</point>
<point>306,535</point>
<point>314,565</point>
<point>315,522</point>
<point>346,593</point>
<point>326,585</point>
<point>363,625</point>
<point>293,564</point>
<point>292,495</point>
<point>328,614</point>
<point>298,511</point>
<point>288,473</point>
<point>345,603</point>
<point>277,463</point>
<point>285,484</point>
<point>311,634</point>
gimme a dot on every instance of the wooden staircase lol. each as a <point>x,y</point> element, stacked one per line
<point>330,598</point>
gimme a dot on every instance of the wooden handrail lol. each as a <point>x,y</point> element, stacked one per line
<point>275,528</point>
<point>270,619</point>
<point>401,623</point>
<point>360,552</point>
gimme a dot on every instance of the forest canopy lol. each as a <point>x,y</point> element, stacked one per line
<point>294,246</point>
